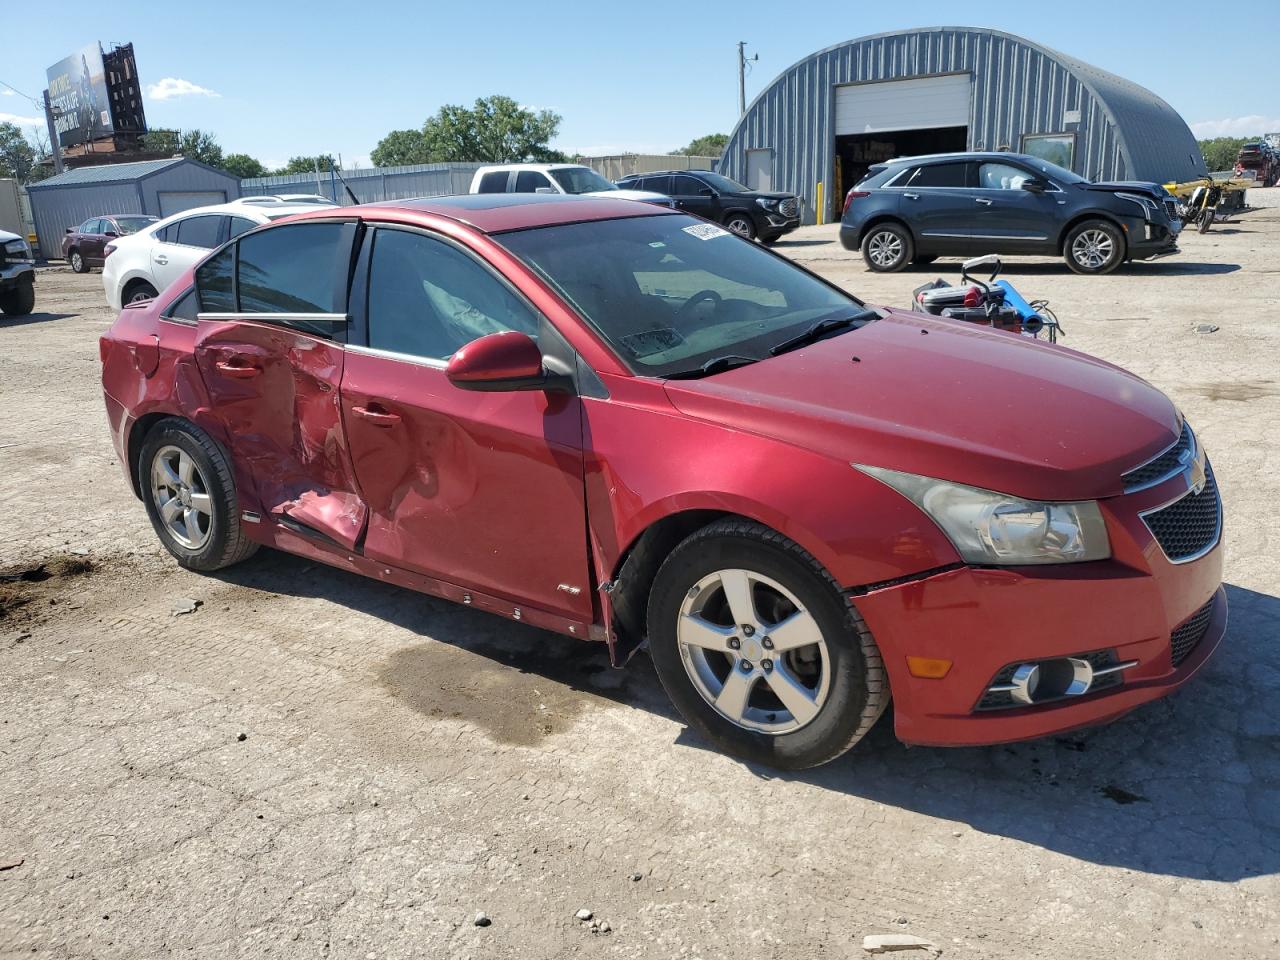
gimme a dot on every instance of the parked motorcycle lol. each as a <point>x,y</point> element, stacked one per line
<point>1201,208</point>
<point>991,302</point>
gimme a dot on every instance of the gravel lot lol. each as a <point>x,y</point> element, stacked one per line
<point>317,765</point>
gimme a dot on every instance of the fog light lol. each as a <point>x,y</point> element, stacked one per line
<point>1051,679</point>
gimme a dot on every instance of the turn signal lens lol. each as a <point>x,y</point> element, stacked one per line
<point>927,668</point>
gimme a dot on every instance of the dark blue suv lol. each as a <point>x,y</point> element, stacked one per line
<point>916,209</point>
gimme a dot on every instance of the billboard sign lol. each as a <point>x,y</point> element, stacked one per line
<point>78,95</point>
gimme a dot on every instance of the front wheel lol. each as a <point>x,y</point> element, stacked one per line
<point>760,651</point>
<point>19,300</point>
<point>887,247</point>
<point>1094,247</point>
<point>741,224</point>
<point>190,495</point>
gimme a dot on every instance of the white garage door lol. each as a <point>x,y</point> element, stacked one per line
<point>175,201</point>
<point>917,104</point>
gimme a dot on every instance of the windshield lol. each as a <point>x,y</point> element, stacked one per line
<point>723,184</point>
<point>670,293</point>
<point>128,225</point>
<point>580,180</point>
<point>1053,171</point>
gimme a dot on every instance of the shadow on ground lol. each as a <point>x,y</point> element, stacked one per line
<point>949,269</point>
<point>1187,786</point>
<point>8,321</point>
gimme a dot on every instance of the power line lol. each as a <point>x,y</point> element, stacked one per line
<point>33,100</point>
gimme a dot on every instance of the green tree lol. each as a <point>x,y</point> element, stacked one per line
<point>193,144</point>
<point>16,155</point>
<point>306,165</point>
<point>242,165</point>
<point>712,145</point>
<point>1220,152</point>
<point>495,130</point>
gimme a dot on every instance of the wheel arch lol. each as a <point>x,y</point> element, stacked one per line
<point>133,280</point>
<point>1080,218</point>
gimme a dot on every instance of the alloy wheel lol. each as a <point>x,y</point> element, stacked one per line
<point>77,264</point>
<point>1092,249</point>
<point>753,651</point>
<point>181,495</point>
<point>884,249</point>
<point>740,226</point>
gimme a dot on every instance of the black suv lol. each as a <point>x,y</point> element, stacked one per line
<point>748,213</point>
<point>915,209</point>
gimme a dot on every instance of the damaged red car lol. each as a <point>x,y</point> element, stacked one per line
<point>622,423</point>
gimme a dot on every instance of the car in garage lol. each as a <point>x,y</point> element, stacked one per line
<point>755,214</point>
<point>140,265</point>
<point>916,209</point>
<point>83,246</point>
<point>626,424</point>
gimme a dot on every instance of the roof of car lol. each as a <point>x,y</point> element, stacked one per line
<point>662,173</point>
<point>526,166</point>
<point>499,212</point>
<point>961,155</point>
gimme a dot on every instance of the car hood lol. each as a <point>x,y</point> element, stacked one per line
<point>646,195</point>
<point>1128,186</point>
<point>949,399</point>
<point>6,236</point>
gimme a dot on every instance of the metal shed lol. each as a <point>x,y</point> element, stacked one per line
<point>818,126</point>
<point>156,187</point>
<point>371,185</point>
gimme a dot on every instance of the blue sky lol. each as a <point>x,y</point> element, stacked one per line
<point>277,79</point>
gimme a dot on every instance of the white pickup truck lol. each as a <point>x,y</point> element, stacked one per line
<point>17,276</point>
<point>566,178</point>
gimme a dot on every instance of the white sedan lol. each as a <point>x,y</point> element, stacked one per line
<point>139,266</point>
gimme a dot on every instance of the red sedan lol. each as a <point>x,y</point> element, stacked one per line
<point>624,424</point>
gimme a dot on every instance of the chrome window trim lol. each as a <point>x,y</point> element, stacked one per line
<point>431,362</point>
<point>1196,454</point>
<point>331,317</point>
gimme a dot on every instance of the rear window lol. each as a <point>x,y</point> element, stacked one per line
<point>493,182</point>
<point>877,175</point>
<point>293,269</point>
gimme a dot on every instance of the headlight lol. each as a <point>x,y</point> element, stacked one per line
<point>18,247</point>
<point>994,528</point>
<point>1148,205</point>
<point>767,203</point>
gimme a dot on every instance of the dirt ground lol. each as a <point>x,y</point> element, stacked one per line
<point>316,765</point>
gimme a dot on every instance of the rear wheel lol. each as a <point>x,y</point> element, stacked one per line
<point>190,495</point>
<point>1206,220</point>
<point>1094,247</point>
<point>139,290</point>
<point>887,247</point>
<point>77,262</point>
<point>18,300</point>
<point>760,651</point>
<point>741,224</point>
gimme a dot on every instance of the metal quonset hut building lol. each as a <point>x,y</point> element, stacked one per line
<point>824,120</point>
<point>156,187</point>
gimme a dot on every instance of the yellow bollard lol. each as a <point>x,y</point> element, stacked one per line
<point>822,210</point>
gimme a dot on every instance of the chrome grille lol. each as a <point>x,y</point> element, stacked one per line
<point>1173,460</point>
<point>1190,527</point>
<point>1188,636</point>
<point>1171,207</point>
<point>789,207</point>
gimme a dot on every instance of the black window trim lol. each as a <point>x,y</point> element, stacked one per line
<point>164,313</point>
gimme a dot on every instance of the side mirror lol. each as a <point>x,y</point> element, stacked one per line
<point>544,190</point>
<point>71,229</point>
<point>111,233</point>
<point>707,192</point>
<point>503,362</point>
<point>1034,185</point>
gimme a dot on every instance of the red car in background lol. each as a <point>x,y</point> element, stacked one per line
<point>84,246</point>
<point>623,423</point>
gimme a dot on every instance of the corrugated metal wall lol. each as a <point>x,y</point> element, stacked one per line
<point>625,164</point>
<point>57,208</point>
<point>379,183</point>
<point>1018,88</point>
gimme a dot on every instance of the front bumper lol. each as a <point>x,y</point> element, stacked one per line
<point>776,225</point>
<point>983,620</point>
<point>12,274</point>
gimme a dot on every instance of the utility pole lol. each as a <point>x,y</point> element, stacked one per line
<point>53,135</point>
<point>743,60</point>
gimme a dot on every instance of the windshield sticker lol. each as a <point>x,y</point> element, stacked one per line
<point>706,231</point>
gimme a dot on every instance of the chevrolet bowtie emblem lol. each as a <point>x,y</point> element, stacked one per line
<point>1196,476</point>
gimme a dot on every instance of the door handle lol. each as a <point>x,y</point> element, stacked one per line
<point>379,418</point>
<point>238,371</point>
<point>161,259</point>
<point>912,196</point>
<point>982,200</point>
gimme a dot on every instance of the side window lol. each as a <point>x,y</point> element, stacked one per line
<point>240,225</point>
<point>215,282</point>
<point>658,185</point>
<point>200,232</point>
<point>529,181</point>
<point>89,226</point>
<point>1001,176</point>
<point>184,309</point>
<point>494,181</point>
<point>687,187</point>
<point>296,268</point>
<point>428,299</point>
<point>939,175</point>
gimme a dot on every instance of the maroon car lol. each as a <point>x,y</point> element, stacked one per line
<point>82,247</point>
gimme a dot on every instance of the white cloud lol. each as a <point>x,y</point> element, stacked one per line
<point>6,92</point>
<point>22,121</point>
<point>1254,125</point>
<point>172,87</point>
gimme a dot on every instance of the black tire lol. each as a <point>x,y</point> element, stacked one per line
<point>77,262</point>
<point>139,290</point>
<point>858,690</point>
<point>888,247</point>
<point>226,542</point>
<point>923,261</point>
<point>1206,220</point>
<point>1079,256</point>
<point>740,224</point>
<point>19,300</point>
